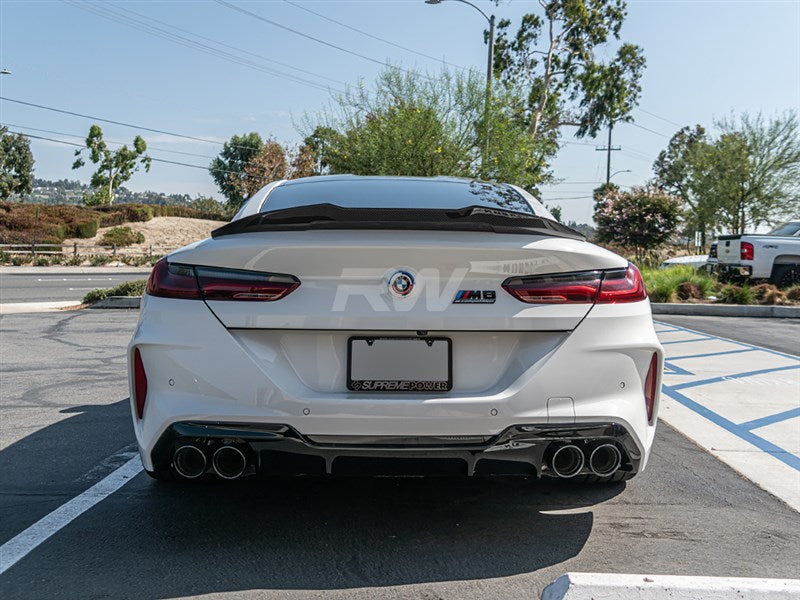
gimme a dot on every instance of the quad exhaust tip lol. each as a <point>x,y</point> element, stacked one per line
<point>605,460</point>
<point>567,461</point>
<point>229,462</point>
<point>189,461</point>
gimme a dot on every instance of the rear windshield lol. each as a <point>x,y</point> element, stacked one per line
<point>790,228</point>
<point>379,192</point>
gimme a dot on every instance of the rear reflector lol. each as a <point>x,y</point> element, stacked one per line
<point>746,252</point>
<point>650,386</point>
<point>584,287</point>
<point>170,280</point>
<point>139,383</point>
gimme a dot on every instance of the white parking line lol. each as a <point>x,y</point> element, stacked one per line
<point>23,543</point>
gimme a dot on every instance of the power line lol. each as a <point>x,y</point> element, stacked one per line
<point>73,135</point>
<point>647,112</point>
<point>121,123</point>
<point>307,36</point>
<point>375,37</point>
<point>108,13</point>
<point>650,130</point>
<point>236,48</point>
<point>161,160</point>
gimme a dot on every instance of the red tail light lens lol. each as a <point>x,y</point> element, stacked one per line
<point>622,286</point>
<point>746,251</point>
<point>585,287</point>
<point>170,280</point>
<point>650,386</point>
<point>570,288</point>
<point>224,284</point>
<point>139,383</point>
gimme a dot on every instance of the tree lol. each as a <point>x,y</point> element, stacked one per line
<point>16,164</point>
<point>641,219</point>
<point>553,60</point>
<point>748,176</point>
<point>414,124</point>
<point>268,165</point>
<point>303,163</point>
<point>227,170</point>
<point>675,171</point>
<point>114,167</point>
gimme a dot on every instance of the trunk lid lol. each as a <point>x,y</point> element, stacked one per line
<point>345,279</point>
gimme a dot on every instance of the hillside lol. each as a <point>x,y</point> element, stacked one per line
<point>161,232</point>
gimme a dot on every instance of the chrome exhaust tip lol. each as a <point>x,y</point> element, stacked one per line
<point>189,462</point>
<point>567,461</point>
<point>605,460</point>
<point>229,462</point>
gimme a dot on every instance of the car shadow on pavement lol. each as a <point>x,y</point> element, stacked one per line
<point>161,540</point>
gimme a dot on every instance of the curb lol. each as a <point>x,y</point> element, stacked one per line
<point>726,310</point>
<point>122,269</point>
<point>590,586</point>
<point>17,308</point>
<point>118,302</point>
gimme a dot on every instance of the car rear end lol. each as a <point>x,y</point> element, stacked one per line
<point>394,350</point>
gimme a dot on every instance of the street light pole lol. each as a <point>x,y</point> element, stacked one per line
<point>489,77</point>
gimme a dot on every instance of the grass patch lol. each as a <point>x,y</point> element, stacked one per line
<point>126,288</point>
<point>678,283</point>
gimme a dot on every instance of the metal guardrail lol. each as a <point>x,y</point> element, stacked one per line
<point>75,249</point>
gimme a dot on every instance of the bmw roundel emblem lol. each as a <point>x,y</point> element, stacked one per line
<point>401,283</point>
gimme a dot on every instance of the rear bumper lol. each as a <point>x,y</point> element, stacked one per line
<point>200,372</point>
<point>518,450</point>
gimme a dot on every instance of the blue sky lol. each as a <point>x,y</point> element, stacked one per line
<point>705,59</point>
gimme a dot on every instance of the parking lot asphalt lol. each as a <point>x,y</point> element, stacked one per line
<point>66,426</point>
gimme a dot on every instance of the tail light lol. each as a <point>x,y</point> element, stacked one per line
<point>170,280</point>
<point>650,383</point>
<point>139,383</point>
<point>746,252</point>
<point>585,287</point>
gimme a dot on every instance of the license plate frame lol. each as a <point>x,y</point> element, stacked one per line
<point>399,385</point>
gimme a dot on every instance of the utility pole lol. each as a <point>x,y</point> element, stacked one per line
<point>608,150</point>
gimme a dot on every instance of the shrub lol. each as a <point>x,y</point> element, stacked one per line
<point>793,293</point>
<point>5,258</point>
<point>775,296</point>
<point>74,261</point>
<point>19,259</point>
<point>689,290</point>
<point>132,212</point>
<point>85,230</point>
<point>126,288</point>
<point>98,260</point>
<point>122,236</point>
<point>734,294</point>
<point>664,285</point>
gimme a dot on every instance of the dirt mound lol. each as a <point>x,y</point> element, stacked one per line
<point>163,233</point>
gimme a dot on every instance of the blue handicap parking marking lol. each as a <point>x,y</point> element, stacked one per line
<point>785,404</point>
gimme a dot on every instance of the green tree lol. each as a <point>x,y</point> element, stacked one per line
<point>16,164</point>
<point>414,124</point>
<point>641,219</point>
<point>676,169</point>
<point>113,167</point>
<point>227,170</point>
<point>747,176</point>
<point>553,60</point>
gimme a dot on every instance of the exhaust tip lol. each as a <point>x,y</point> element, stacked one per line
<point>605,460</point>
<point>189,462</point>
<point>567,461</point>
<point>229,462</point>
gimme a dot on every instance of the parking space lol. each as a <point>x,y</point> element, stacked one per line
<point>66,429</point>
<point>739,401</point>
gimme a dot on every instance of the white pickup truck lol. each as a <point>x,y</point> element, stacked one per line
<point>774,255</point>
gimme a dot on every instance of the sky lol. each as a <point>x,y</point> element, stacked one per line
<point>705,60</point>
